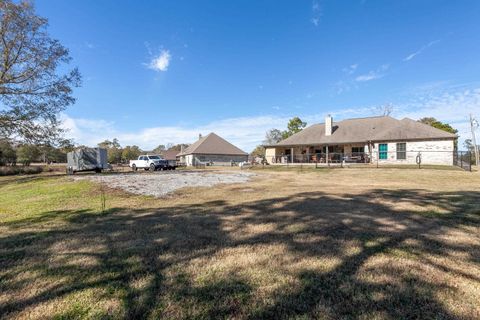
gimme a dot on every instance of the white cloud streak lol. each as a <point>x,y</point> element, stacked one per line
<point>419,51</point>
<point>373,74</point>
<point>161,62</point>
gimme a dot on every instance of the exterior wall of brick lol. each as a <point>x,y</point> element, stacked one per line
<point>436,152</point>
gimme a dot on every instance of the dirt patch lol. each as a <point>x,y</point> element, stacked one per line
<point>161,183</point>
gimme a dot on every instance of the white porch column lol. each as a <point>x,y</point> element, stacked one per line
<point>326,158</point>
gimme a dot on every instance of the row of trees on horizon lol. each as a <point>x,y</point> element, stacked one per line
<point>24,153</point>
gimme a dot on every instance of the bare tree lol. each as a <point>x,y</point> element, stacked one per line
<point>32,92</point>
<point>386,109</point>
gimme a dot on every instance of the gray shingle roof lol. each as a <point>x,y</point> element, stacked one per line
<point>361,130</point>
<point>169,154</point>
<point>213,144</point>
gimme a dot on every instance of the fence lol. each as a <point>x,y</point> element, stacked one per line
<point>332,157</point>
<point>463,159</point>
<point>379,158</point>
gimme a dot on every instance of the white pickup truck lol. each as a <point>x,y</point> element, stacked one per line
<point>148,162</point>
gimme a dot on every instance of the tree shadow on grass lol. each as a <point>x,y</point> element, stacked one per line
<point>130,254</point>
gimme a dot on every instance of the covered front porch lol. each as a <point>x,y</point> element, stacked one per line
<point>349,153</point>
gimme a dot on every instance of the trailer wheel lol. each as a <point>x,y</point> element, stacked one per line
<point>152,167</point>
<point>134,167</point>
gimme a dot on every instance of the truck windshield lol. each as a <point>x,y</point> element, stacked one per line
<point>154,157</point>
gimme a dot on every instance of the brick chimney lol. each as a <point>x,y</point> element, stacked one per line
<point>328,125</point>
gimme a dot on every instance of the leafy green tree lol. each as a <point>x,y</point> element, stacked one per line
<point>272,136</point>
<point>468,145</point>
<point>431,121</point>
<point>114,150</point>
<point>66,145</point>
<point>130,153</point>
<point>259,151</point>
<point>34,88</point>
<point>7,153</point>
<point>116,144</point>
<point>105,144</point>
<point>27,153</point>
<point>159,149</point>
<point>295,125</point>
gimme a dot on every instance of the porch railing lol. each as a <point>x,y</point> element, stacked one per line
<point>353,157</point>
<point>381,158</point>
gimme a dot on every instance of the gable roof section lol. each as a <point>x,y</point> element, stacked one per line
<point>366,129</point>
<point>213,144</point>
<point>408,129</point>
<point>169,154</point>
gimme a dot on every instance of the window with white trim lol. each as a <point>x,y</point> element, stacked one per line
<point>401,151</point>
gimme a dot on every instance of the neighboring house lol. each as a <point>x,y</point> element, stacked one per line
<point>211,149</point>
<point>170,156</point>
<point>382,139</point>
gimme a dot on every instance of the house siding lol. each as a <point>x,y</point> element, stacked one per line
<point>436,152</point>
<point>270,153</point>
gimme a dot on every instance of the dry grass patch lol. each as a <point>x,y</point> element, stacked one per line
<point>352,243</point>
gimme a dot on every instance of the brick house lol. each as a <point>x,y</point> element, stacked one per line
<point>383,139</point>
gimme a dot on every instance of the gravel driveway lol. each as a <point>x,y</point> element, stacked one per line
<point>160,183</point>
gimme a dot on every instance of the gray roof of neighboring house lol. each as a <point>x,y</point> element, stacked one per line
<point>383,128</point>
<point>212,144</point>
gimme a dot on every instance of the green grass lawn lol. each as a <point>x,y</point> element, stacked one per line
<point>347,243</point>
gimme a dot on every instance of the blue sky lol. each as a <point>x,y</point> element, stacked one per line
<point>157,72</point>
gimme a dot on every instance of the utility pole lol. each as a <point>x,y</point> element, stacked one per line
<point>473,126</point>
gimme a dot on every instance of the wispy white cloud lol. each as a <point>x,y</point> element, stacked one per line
<point>450,105</point>
<point>343,86</point>
<point>316,13</point>
<point>350,69</point>
<point>419,51</point>
<point>245,132</point>
<point>161,62</point>
<point>373,74</point>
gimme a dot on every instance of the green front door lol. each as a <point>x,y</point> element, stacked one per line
<point>383,151</point>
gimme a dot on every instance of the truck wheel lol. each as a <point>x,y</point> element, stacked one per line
<point>134,167</point>
<point>152,167</point>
